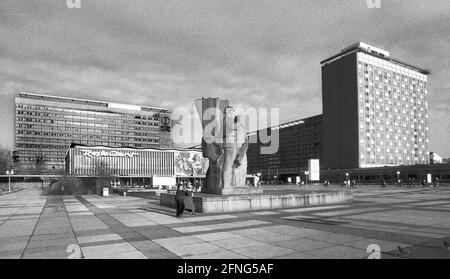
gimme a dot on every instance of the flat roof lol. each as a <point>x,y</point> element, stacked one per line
<point>376,52</point>
<point>286,124</point>
<point>27,95</point>
<point>74,145</point>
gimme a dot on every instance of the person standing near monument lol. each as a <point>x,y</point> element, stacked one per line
<point>189,201</point>
<point>179,199</point>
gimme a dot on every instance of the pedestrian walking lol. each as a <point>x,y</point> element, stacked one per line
<point>353,183</point>
<point>179,198</point>
<point>436,182</point>
<point>189,201</point>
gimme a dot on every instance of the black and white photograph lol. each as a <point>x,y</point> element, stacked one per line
<point>224,137</point>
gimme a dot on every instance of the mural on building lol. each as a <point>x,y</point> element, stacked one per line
<point>190,163</point>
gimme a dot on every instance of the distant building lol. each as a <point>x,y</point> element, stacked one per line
<point>435,158</point>
<point>375,110</point>
<point>46,126</point>
<point>300,141</point>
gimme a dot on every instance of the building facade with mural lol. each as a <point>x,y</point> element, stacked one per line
<point>137,166</point>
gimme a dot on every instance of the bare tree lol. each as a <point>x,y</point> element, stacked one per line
<point>39,164</point>
<point>103,173</point>
<point>5,159</point>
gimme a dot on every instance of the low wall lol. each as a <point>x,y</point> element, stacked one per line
<point>21,185</point>
<point>209,204</point>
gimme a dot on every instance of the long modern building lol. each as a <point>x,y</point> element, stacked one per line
<point>299,141</point>
<point>143,166</point>
<point>46,126</point>
<point>375,110</point>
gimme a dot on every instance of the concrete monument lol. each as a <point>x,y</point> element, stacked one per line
<point>225,144</point>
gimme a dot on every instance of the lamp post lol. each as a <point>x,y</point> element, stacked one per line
<point>9,173</point>
<point>306,178</point>
<point>277,176</point>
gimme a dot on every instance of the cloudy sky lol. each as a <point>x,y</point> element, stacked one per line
<point>261,53</point>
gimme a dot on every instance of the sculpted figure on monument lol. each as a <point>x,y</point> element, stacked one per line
<point>229,148</point>
<point>240,162</point>
<point>214,153</point>
<point>211,112</point>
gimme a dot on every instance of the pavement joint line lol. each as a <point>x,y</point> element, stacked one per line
<point>395,231</point>
<point>89,205</point>
<point>407,192</point>
<point>73,230</point>
<point>13,214</point>
<point>34,229</point>
<point>171,228</point>
<point>406,225</point>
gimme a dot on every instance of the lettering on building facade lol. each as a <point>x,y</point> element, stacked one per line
<point>104,153</point>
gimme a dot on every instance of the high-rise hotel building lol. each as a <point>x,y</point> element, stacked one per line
<point>375,110</point>
<point>46,126</point>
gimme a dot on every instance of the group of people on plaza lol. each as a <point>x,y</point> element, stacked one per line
<point>349,183</point>
<point>411,183</point>
<point>184,198</point>
<point>423,183</point>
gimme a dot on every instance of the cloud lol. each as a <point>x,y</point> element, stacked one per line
<point>167,53</point>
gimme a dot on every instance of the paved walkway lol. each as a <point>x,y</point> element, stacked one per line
<point>37,226</point>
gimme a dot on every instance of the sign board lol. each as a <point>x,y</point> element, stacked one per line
<point>297,180</point>
<point>429,180</point>
<point>165,123</point>
<point>105,153</point>
<point>289,180</point>
<point>163,180</point>
<point>314,169</point>
<point>105,192</point>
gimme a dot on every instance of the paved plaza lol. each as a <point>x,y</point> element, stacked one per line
<point>89,226</point>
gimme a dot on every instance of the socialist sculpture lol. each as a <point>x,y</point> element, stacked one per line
<point>225,146</point>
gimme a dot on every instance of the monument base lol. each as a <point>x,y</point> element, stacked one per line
<point>216,204</point>
<point>234,191</point>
